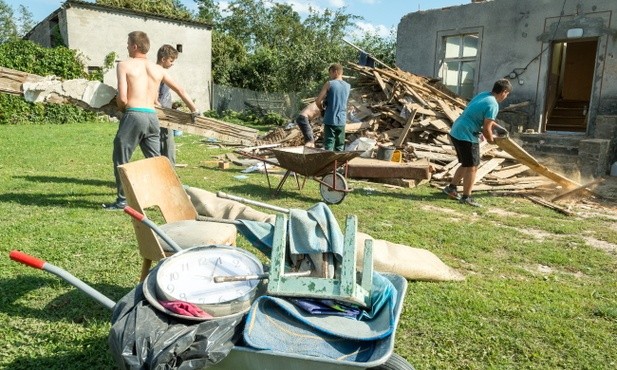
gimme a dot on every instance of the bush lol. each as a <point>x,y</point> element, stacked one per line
<point>248,117</point>
<point>14,110</point>
<point>60,61</point>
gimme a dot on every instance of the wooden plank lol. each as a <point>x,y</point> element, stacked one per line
<point>405,131</point>
<point>550,205</point>
<point>451,114</point>
<point>511,171</point>
<point>382,84</point>
<point>12,79</point>
<point>525,158</point>
<point>487,167</point>
<point>208,127</point>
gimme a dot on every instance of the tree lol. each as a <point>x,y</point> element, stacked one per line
<point>24,21</point>
<point>382,48</point>
<point>283,52</point>
<point>8,28</point>
<point>169,8</point>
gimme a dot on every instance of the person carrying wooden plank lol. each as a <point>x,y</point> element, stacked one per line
<point>478,118</point>
<point>138,84</point>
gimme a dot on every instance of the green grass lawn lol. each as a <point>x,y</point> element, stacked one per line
<point>540,289</point>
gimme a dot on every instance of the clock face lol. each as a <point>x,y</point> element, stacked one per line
<point>189,275</point>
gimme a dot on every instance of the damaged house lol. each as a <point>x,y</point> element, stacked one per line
<point>97,30</point>
<point>560,55</point>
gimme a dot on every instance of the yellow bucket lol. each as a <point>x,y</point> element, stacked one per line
<point>397,156</point>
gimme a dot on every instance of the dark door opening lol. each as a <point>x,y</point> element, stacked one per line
<point>569,86</point>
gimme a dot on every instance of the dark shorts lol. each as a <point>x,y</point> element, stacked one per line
<point>468,153</point>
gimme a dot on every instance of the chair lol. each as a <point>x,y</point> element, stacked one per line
<point>153,182</point>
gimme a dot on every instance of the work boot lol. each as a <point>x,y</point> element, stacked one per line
<point>469,201</point>
<point>117,206</point>
<point>451,192</point>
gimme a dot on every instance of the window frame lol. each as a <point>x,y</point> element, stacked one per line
<point>441,56</point>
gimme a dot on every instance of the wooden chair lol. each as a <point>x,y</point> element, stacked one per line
<point>153,183</point>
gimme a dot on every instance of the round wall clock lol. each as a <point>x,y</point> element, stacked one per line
<point>188,276</point>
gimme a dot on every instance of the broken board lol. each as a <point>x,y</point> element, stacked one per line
<point>516,151</point>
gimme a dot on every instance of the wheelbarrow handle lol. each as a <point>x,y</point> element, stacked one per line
<point>27,259</point>
<point>31,261</point>
<point>143,219</point>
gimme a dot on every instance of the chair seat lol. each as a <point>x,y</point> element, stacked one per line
<point>191,233</point>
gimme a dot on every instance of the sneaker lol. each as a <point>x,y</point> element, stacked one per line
<point>117,206</point>
<point>469,201</point>
<point>451,192</point>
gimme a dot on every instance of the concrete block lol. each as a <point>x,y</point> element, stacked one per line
<point>594,157</point>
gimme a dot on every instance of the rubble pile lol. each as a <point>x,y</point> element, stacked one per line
<point>414,114</point>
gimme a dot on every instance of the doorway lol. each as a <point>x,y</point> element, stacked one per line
<point>570,85</point>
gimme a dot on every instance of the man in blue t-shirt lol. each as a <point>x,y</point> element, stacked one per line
<point>335,93</point>
<point>478,118</point>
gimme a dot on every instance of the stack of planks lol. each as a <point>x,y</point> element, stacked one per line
<point>414,114</point>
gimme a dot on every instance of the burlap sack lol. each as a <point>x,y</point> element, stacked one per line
<point>412,263</point>
<point>208,204</point>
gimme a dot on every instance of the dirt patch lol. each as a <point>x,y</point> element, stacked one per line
<point>537,234</point>
<point>503,212</point>
<point>601,244</point>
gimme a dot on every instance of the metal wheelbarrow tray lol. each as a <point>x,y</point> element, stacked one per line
<point>314,163</point>
<point>247,358</point>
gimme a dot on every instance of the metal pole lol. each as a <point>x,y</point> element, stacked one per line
<point>221,194</point>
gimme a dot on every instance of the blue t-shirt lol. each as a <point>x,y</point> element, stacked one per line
<point>468,126</point>
<point>336,103</point>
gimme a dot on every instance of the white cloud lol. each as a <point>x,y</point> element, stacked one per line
<point>363,28</point>
<point>337,3</point>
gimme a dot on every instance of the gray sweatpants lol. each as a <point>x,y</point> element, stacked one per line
<point>136,128</point>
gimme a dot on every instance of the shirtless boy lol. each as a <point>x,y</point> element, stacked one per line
<point>138,85</point>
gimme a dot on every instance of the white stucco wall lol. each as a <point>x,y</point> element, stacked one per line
<point>516,34</point>
<point>96,33</point>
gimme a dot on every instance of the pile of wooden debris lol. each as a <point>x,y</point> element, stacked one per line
<point>414,114</point>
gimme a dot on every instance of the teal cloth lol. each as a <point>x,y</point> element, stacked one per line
<point>309,231</point>
<point>468,125</point>
<point>276,324</point>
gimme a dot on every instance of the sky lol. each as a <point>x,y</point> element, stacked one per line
<point>380,16</point>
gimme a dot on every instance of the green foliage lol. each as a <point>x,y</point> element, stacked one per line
<point>382,48</point>
<point>29,57</point>
<point>8,27</point>
<point>270,48</point>
<point>14,110</point>
<point>250,117</point>
<point>169,8</point>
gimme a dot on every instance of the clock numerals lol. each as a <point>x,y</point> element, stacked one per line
<point>170,288</point>
<point>185,266</point>
<point>236,262</point>
<point>182,296</point>
<point>174,276</point>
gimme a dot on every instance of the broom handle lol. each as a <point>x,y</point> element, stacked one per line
<point>221,194</point>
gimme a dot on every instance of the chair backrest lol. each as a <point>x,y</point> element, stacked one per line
<point>153,182</point>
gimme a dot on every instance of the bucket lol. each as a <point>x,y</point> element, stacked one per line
<point>397,156</point>
<point>385,153</point>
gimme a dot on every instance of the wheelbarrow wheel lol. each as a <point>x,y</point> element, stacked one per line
<point>395,362</point>
<point>333,194</point>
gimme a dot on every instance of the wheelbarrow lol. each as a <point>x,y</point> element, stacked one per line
<point>246,358</point>
<point>319,164</point>
<point>239,357</point>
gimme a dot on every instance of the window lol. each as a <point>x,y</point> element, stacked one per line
<point>459,67</point>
